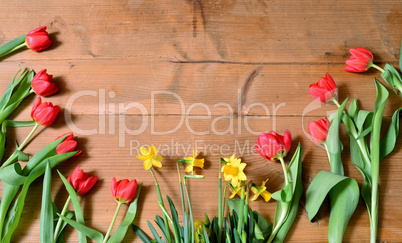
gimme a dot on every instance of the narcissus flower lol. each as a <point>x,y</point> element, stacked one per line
<point>325,89</point>
<point>38,39</point>
<point>273,146</point>
<point>124,191</point>
<point>81,181</point>
<point>193,161</point>
<point>319,130</point>
<point>150,157</point>
<point>360,60</point>
<point>68,145</point>
<point>235,191</point>
<point>261,191</point>
<point>42,84</point>
<point>44,113</point>
<point>233,170</point>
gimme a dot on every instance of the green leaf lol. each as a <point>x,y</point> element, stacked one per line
<point>175,217</point>
<point>264,226</point>
<point>119,234</point>
<point>344,196</point>
<point>154,233</point>
<point>85,230</point>
<point>334,145</point>
<point>388,142</point>
<point>400,58</point>
<point>9,91</point>
<point>9,192</point>
<point>392,76</point>
<point>161,224</point>
<point>9,46</point>
<point>47,151</point>
<point>353,109</point>
<point>46,214</point>
<point>205,234</point>
<point>14,215</point>
<point>12,175</point>
<point>285,194</point>
<point>140,234</point>
<point>79,216</point>
<point>295,172</point>
<point>389,79</point>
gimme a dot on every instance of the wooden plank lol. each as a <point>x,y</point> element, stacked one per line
<point>103,157</point>
<point>228,31</point>
<point>136,86</point>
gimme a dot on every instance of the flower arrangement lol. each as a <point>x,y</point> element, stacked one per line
<point>236,221</point>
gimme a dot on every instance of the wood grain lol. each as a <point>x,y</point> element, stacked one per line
<point>208,75</point>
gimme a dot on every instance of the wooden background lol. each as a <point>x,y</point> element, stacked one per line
<point>131,71</point>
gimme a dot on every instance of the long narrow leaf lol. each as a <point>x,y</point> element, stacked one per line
<point>140,234</point>
<point>9,46</point>
<point>46,214</point>
<point>389,140</point>
<point>85,230</point>
<point>79,216</point>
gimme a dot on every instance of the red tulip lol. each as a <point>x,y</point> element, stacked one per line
<point>124,190</point>
<point>319,130</point>
<point>81,181</point>
<point>360,61</point>
<point>42,84</point>
<point>272,146</point>
<point>38,39</point>
<point>325,89</point>
<point>68,145</point>
<point>44,113</point>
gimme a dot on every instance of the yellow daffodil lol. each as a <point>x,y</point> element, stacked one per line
<point>150,157</point>
<point>233,170</point>
<point>192,161</point>
<point>235,191</point>
<point>261,190</point>
<point>199,231</point>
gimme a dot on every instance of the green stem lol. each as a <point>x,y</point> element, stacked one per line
<point>182,195</point>
<point>21,147</point>
<point>285,170</point>
<point>220,215</point>
<point>169,238</point>
<point>113,221</point>
<point>56,231</point>
<point>14,157</point>
<point>241,216</point>
<point>191,221</point>
<point>375,169</point>
<point>377,67</point>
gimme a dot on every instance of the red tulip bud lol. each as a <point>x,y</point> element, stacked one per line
<point>44,113</point>
<point>68,145</point>
<point>38,39</point>
<point>360,60</point>
<point>124,191</point>
<point>42,84</point>
<point>81,181</point>
<point>325,89</point>
<point>272,145</point>
<point>319,130</point>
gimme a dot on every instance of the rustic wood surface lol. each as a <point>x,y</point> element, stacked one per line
<point>209,75</point>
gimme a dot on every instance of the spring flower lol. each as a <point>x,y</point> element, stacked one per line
<point>150,157</point>
<point>192,161</point>
<point>42,84</point>
<point>319,130</point>
<point>233,170</point>
<point>261,191</point>
<point>360,60</point>
<point>68,145</point>
<point>272,146</point>
<point>44,113</point>
<point>81,181</point>
<point>124,191</point>
<point>235,191</point>
<point>38,39</point>
<point>325,89</point>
